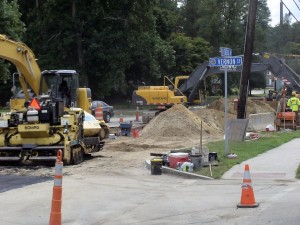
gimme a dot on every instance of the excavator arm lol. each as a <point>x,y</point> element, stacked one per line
<point>281,70</point>
<point>269,62</point>
<point>23,58</point>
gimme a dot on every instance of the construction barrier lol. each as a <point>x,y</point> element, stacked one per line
<point>247,197</point>
<point>99,113</point>
<point>55,215</point>
<point>259,121</point>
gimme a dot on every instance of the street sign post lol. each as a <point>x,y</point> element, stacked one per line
<point>226,62</point>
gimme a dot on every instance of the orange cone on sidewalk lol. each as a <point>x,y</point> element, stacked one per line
<point>247,197</point>
<point>55,215</point>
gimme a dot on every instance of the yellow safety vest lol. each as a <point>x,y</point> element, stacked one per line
<point>293,103</point>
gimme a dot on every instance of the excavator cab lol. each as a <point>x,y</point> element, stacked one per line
<point>57,91</point>
<point>60,85</point>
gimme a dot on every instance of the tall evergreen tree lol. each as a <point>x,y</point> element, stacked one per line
<point>115,43</point>
<point>12,27</point>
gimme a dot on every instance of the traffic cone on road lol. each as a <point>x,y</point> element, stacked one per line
<point>55,215</point>
<point>247,197</point>
<point>137,114</point>
<point>99,113</point>
<point>121,120</point>
<point>135,132</point>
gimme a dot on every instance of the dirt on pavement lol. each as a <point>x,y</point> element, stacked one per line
<point>175,128</point>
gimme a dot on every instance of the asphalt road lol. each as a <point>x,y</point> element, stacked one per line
<point>10,182</point>
<point>142,198</point>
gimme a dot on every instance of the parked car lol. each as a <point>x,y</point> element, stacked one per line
<point>108,110</point>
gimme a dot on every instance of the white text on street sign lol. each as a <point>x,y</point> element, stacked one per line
<point>226,61</point>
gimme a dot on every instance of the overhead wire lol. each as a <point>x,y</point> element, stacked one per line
<point>296,5</point>
<point>290,13</point>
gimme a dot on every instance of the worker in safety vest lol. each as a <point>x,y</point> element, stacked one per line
<point>294,104</point>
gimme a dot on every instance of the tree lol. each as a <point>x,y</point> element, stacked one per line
<point>221,22</point>
<point>115,43</point>
<point>262,27</point>
<point>12,27</point>
<point>189,53</point>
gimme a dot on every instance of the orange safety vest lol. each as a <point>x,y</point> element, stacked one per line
<point>293,103</point>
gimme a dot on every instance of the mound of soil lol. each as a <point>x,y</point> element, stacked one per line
<point>179,122</point>
<point>253,106</point>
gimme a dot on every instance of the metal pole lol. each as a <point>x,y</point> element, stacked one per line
<point>226,114</point>
<point>200,147</point>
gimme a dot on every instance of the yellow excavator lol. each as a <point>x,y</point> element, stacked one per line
<point>44,117</point>
<point>190,92</point>
<point>161,98</point>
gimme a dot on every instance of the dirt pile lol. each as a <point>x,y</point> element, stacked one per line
<point>182,123</point>
<point>213,117</point>
<point>177,122</point>
<point>253,107</point>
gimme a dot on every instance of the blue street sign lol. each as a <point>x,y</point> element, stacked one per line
<point>226,61</point>
<point>225,51</point>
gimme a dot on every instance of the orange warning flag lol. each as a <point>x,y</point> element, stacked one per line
<point>35,104</point>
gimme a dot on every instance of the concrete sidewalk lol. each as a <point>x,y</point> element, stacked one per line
<point>278,163</point>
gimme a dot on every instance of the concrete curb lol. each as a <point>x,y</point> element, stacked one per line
<point>171,171</point>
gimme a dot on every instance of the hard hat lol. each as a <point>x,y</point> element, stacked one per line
<point>294,93</point>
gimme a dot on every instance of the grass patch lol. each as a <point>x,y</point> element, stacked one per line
<point>246,150</point>
<point>298,172</point>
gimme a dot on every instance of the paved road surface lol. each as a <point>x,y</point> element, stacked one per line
<point>141,198</point>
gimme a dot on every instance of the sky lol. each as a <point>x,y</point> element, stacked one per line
<point>274,6</point>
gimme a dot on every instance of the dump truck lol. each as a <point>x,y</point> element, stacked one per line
<point>189,91</point>
<point>47,118</point>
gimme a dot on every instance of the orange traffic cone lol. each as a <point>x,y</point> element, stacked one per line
<point>121,120</point>
<point>137,114</point>
<point>55,215</point>
<point>247,197</point>
<point>99,113</point>
<point>135,132</point>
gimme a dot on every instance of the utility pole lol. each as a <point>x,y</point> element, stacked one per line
<point>281,12</point>
<point>248,50</point>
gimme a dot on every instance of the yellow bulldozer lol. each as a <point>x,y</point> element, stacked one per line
<point>43,116</point>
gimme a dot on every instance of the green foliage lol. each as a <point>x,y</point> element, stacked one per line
<point>293,48</point>
<point>279,36</point>
<point>114,43</point>
<point>261,27</point>
<point>117,45</point>
<point>10,23</point>
<point>167,17</point>
<point>220,22</point>
<point>189,53</point>
<point>298,172</point>
<point>13,27</point>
